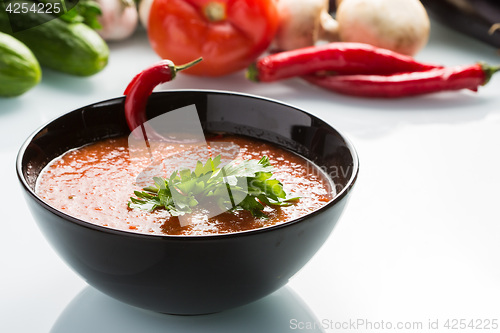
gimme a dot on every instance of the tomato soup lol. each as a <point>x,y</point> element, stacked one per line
<point>94,183</point>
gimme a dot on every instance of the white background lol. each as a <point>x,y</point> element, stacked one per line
<point>418,242</point>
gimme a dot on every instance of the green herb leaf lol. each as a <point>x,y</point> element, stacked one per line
<point>249,184</point>
<point>86,11</point>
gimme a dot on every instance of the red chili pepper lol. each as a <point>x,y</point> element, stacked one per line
<point>407,84</point>
<point>341,58</point>
<point>142,85</point>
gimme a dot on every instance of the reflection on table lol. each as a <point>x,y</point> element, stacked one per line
<point>92,311</point>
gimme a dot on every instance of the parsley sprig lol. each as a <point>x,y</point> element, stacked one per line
<point>248,183</point>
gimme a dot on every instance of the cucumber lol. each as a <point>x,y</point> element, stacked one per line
<point>19,69</point>
<point>72,48</point>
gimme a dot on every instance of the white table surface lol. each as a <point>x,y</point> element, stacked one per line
<point>419,242</point>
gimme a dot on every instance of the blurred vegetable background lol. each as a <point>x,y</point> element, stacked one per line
<point>118,19</point>
<point>230,35</point>
<point>19,69</point>
<point>62,43</point>
<point>479,19</point>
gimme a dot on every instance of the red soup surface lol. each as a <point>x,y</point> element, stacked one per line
<point>94,183</point>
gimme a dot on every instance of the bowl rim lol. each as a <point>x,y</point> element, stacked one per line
<point>338,197</point>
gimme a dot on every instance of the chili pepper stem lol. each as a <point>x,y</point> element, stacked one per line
<point>189,64</point>
<point>174,69</point>
<point>141,87</point>
<point>488,71</point>
<point>253,73</point>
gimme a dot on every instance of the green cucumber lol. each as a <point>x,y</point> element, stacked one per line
<point>19,69</point>
<point>72,48</point>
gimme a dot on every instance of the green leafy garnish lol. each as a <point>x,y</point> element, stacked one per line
<point>84,11</point>
<point>237,185</point>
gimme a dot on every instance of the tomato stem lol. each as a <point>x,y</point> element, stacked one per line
<point>215,11</point>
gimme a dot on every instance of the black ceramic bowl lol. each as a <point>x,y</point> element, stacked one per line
<point>190,274</point>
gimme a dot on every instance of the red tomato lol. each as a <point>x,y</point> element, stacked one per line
<point>228,34</point>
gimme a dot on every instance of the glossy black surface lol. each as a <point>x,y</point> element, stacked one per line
<point>190,274</point>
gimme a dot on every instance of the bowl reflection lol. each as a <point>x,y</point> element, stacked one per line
<point>92,311</point>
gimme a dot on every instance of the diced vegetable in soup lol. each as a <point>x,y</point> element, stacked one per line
<point>117,184</point>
